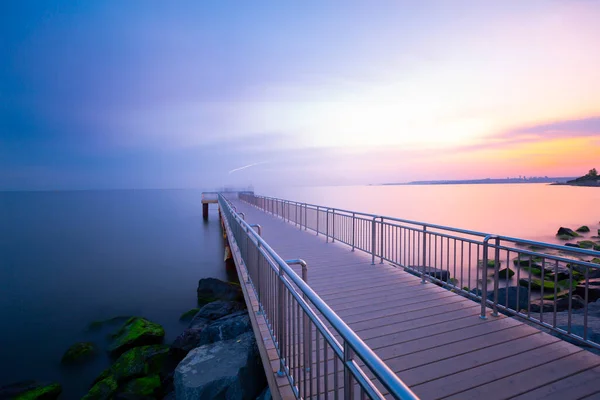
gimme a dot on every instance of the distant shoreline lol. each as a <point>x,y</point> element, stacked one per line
<point>488,181</point>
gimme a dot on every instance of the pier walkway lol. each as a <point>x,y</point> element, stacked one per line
<point>433,339</point>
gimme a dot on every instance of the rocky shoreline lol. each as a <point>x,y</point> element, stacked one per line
<point>216,356</point>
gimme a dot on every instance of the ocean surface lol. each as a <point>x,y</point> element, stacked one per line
<point>70,258</point>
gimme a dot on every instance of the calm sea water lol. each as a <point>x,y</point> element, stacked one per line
<point>69,258</point>
<point>529,211</point>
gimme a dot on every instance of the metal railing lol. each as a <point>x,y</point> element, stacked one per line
<point>548,284</point>
<point>316,364</point>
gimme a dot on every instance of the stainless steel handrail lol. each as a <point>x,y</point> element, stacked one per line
<point>435,252</point>
<point>353,347</point>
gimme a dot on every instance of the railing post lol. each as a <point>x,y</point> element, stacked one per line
<point>317,220</point>
<point>281,323</point>
<point>348,377</point>
<point>381,238</point>
<point>373,240</point>
<point>497,276</point>
<point>424,266</point>
<point>353,224</point>
<point>484,277</point>
<point>326,225</point>
<point>333,226</point>
<point>305,216</point>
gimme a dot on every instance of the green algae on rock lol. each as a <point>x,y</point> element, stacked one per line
<point>136,362</point>
<point>44,392</point>
<point>188,315</point>
<point>146,386</point>
<point>136,332</point>
<point>103,390</point>
<point>78,353</point>
<point>583,229</point>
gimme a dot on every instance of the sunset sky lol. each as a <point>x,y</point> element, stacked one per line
<point>154,94</point>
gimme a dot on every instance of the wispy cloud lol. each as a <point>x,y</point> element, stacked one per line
<point>247,166</point>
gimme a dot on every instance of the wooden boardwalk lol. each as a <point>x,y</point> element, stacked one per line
<point>433,338</point>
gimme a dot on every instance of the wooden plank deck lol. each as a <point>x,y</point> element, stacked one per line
<point>432,338</point>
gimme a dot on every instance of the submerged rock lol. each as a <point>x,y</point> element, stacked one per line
<point>215,310</point>
<point>505,273</point>
<point>30,390</point>
<point>211,289</point>
<point>102,390</point>
<point>566,231</point>
<point>188,315</point>
<point>226,328</point>
<point>562,304</point>
<point>146,387</point>
<point>229,369</point>
<point>78,353</point>
<point>136,332</point>
<point>583,229</point>
<point>137,362</point>
<point>586,244</point>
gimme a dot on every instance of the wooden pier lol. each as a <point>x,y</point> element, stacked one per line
<point>432,338</point>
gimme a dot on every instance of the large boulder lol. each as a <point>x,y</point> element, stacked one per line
<point>137,362</point>
<point>514,303</point>
<point>228,369</point>
<point>30,390</point>
<point>216,310</point>
<point>566,231</point>
<point>79,353</point>
<point>593,291</point>
<point>226,328</point>
<point>562,304</point>
<point>188,315</point>
<point>186,341</point>
<point>135,332</point>
<point>211,289</point>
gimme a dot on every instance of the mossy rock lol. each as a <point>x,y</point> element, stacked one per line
<point>559,295</point>
<point>586,244</point>
<point>146,386</point>
<point>102,390</point>
<point>489,264</point>
<point>534,271</point>
<point>136,332</point>
<point>137,362</point>
<point>97,325</point>
<point>536,284</point>
<point>535,248</point>
<point>453,281</point>
<point>188,315</point>
<point>526,262</point>
<point>595,260</point>
<point>42,392</point>
<point>79,353</point>
<point>566,231</point>
<point>583,229</point>
<point>505,273</point>
<point>564,237</point>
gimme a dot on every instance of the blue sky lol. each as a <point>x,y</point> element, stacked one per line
<point>148,94</point>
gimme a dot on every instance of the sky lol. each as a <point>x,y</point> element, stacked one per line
<point>153,94</point>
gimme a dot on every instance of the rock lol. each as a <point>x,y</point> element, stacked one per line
<point>102,390</point>
<point>564,237</point>
<point>226,328</point>
<point>146,387</point>
<point>30,390</point>
<point>566,231</point>
<point>536,284</point>
<point>593,289</point>
<point>136,332</point>
<point>440,274</point>
<point>170,396</point>
<point>228,369</point>
<point>572,245</point>
<point>583,229</point>
<point>185,342</point>
<point>562,304</point>
<point>511,293</point>
<point>489,264</point>
<point>216,310</point>
<point>265,395</point>
<point>137,362</point>
<point>579,331</point>
<point>586,244</point>
<point>506,272</point>
<point>78,353</point>
<point>211,289</point>
<point>188,315</point>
